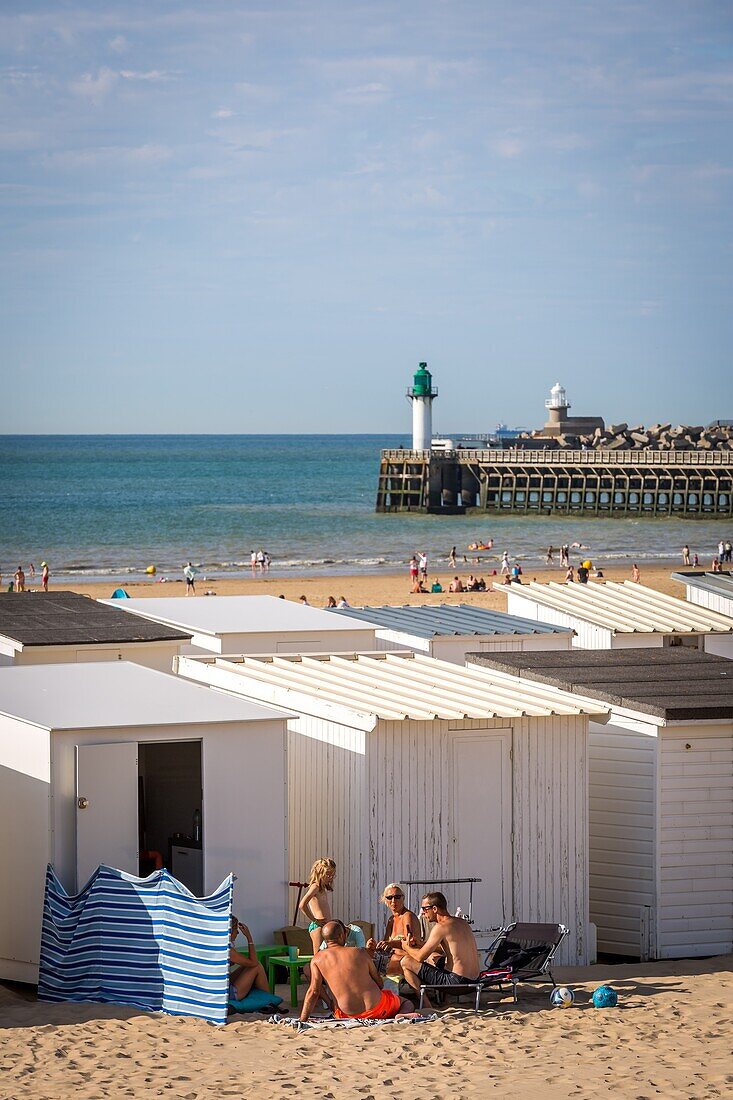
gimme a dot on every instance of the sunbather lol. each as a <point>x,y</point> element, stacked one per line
<point>402,925</point>
<point>249,973</point>
<point>315,903</point>
<point>353,981</point>
<point>453,936</point>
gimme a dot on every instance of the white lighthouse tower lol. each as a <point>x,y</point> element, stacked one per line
<point>422,394</point>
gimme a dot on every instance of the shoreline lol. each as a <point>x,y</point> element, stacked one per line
<point>361,589</point>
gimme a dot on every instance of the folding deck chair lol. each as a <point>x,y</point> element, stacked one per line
<point>521,952</point>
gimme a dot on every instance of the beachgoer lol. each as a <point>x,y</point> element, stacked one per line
<point>565,555</point>
<point>436,586</point>
<point>253,561</point>
<point>716,566</point>
<point>550,560</point>
<point>516,571</point>
<point>413,568</point>
<point>343,602</point>
<point>452,558</point>
<point>315,903</point>
<point>728,550</point>
<point>44,576</point>
<point>481,585</point>
<point>352,980</point>
<point>402,924</point>
<point>455,585</point>
<point>507,579</point>
<point>570,575</point>
<point>261,560</point>
<point>190,574</point>
<point>583,574</point>
<point>635,573</point>
<point>505,566</point>
<point>721,551</point>
<point>418,588</point>
<point>32,570</point>
<point>19,579</point>
<point>685,554</point>
<point>266,561</point>
<point>695,561</point>
<point>450,935</point>
<point>249,972</point>
<point>304,601</point>
<point>422,562</point>
<point>331,602</point>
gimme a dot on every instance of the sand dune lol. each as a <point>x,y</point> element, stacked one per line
<point>669,1037</point>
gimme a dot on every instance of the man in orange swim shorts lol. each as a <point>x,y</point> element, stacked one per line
<point>352,978</point>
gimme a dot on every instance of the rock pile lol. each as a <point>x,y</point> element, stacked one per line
<point>620,437</point>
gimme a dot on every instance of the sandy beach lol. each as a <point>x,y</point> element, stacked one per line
<point>372,588</point>
<point>669,1037</point>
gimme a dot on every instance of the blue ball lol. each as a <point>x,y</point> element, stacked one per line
<point>605,997</point>
<point>561,997</point>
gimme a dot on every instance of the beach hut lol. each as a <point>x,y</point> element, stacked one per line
<point>660,795</point>
<point>113,763</point>
<point>449,631</point>
<point>404,767</point>
<point>711,590</point>
<point>61,627</point>
<point>254,624</point>
<point>623,615</point>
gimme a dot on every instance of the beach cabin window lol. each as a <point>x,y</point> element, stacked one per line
<point>139,806</point>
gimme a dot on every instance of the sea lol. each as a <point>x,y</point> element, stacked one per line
<point>109,506</point>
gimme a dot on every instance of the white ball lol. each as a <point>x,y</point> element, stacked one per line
<point>561,997</point>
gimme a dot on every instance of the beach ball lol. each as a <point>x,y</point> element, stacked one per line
<point>151,570</point>
<point>561,997</point>
<point>605,997</point>
<point>587,564</point>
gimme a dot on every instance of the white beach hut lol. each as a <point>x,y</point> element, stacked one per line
<point>660,796</point>
<point>85,749</point>
<point>711,590</point>
<point>253,624</point>
<point>623,615</point>
<point>404,767</point>
<point>62,627</point>
<point>449,631</point>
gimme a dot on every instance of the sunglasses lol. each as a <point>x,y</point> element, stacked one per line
<point>425,908</point>
<point>393,897</point>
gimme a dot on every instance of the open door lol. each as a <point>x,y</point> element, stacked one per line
<point>482,823</point>
<point>106,808</point>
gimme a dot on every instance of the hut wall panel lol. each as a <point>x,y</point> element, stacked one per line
<point>326,807</point>
<point>696,841</point>
<point>587,635</point>
<point>713,600</point>
<point>721,644</point>
<point>622,831</point>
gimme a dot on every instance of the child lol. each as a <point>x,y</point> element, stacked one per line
<point>249,972</point>
<point>315,903</point>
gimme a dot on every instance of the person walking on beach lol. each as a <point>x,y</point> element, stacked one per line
<point>253,561</point>
<point>564,555</point>
<point>413,569</point>
<point>550,560</point>
<point>190,575</point>
<point>728,550</point>
<point>635,573</point>
<point>19,579</point>
<point>685,554</point>
<point>695,561</point>
<point>505,566</point>
<point>452,558</point>
<point>44,576</point>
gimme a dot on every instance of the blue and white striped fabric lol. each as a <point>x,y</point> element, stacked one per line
<point>146,942</point>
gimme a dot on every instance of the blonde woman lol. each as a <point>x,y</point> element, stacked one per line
<point>315,903</point>
<point>402,925</point>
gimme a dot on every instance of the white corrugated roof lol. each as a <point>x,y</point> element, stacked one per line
<point>393,686</point>
<point>627,608</point>
<point>116,694</point>
<point>239,615</point>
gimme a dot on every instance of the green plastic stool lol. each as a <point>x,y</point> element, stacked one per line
<point>294,966</point>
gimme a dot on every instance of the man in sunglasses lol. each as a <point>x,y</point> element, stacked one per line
<point>402,925</point>
<point>450,935</point>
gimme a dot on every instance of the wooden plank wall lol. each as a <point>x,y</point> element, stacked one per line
<point>696,841</point>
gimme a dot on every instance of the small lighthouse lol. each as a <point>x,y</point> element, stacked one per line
<point>422,394</point>
<point>557,405</point>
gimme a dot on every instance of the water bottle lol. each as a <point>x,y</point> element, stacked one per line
<point>197,826</point>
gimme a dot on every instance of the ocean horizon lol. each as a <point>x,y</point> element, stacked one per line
<point>107,506</point>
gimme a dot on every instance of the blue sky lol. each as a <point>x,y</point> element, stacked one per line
<point>247,217</point>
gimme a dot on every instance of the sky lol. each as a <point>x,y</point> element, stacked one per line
<point>259,217</point>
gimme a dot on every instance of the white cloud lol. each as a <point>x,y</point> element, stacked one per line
<point>365,94</point>
<point>95,87</point>
<point>118,44</point>
<point>223,112</point>
<point>150,75</point>
<point>509,147</point>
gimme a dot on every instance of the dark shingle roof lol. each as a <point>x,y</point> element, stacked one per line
<point>433,620</point>
<point>676,684</point>
<point>67,618</point>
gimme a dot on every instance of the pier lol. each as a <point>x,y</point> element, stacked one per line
<point>555,481</point>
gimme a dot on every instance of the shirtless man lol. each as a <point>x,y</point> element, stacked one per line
<point>353,981</point>
<point>450,935</point>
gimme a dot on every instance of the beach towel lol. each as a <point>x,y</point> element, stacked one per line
<point>318,1024</point>
<point>255,1001</point>
<point>146,942</point>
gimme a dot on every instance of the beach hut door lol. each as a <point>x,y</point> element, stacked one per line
<point>106,808</point>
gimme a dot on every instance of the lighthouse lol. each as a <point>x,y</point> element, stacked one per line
<point>422,394</point>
